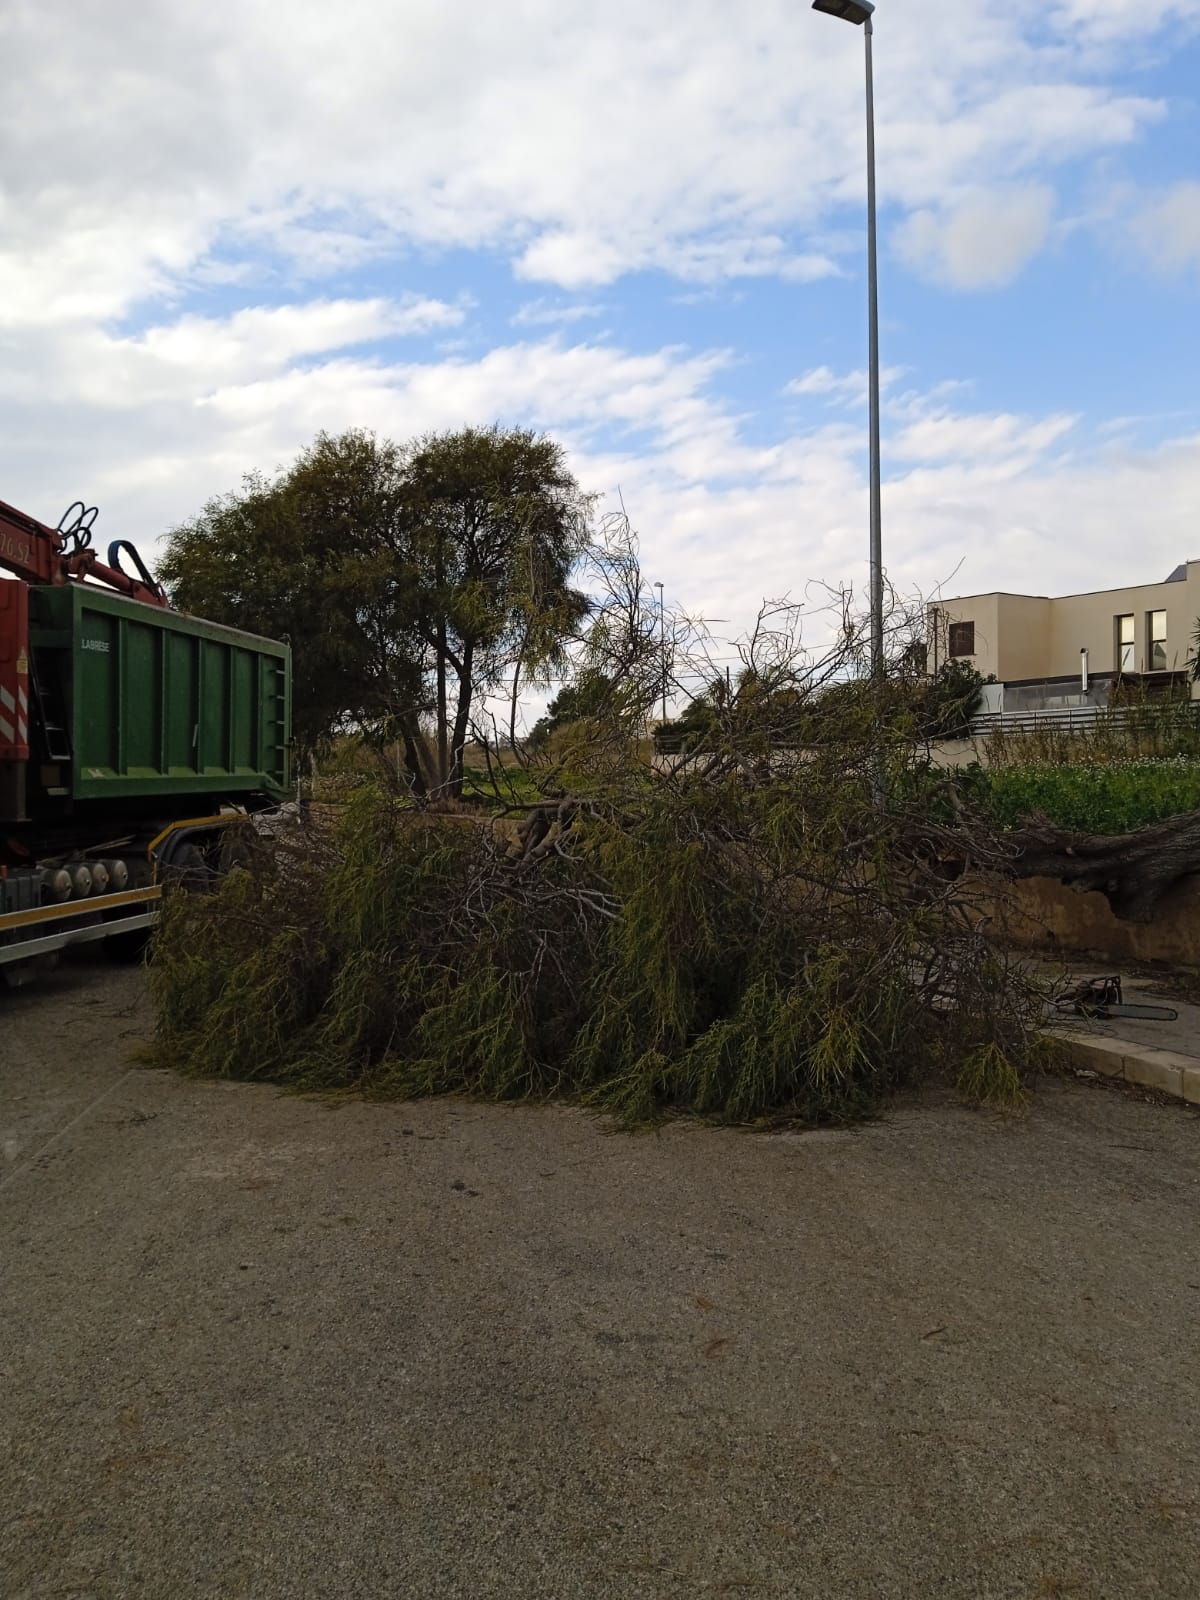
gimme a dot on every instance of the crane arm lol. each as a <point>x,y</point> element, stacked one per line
<point>41,554</point>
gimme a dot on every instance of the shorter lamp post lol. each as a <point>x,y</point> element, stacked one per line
<point>662,638</point>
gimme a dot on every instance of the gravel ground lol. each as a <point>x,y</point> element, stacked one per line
<point>259,1346</point>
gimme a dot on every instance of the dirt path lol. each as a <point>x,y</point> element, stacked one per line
<point>255,1346</point>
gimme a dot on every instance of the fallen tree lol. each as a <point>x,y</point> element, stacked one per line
<point>727,947</point>
<point>731,935</point>
<point>1132,870</point>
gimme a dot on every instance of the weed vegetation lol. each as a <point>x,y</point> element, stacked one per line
<point>1104,797</point>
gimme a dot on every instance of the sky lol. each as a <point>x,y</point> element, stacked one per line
<point>640,229</point>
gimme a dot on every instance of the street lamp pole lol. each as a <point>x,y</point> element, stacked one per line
<point>873,364</point>
<point>662,638</point>
<point>860,13</point>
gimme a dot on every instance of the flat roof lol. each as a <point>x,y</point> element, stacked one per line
<point>1080,594</point>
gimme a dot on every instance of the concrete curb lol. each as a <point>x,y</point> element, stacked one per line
<point>1165,1070</point>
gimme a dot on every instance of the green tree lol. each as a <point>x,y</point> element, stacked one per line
<point>410,580</point>
<point>700,716</point>
<point>950,700</point>
<point>494,525</point>
<point>588,695</point>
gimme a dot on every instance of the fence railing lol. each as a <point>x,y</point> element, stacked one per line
<point>1081,719</point>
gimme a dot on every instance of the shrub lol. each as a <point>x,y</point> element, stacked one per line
<point>1109,797</point>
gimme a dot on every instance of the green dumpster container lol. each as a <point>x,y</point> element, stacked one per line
<point>154,703</point>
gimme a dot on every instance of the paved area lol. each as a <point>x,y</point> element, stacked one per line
<point>1161,1055</point>
<point>1181,1037</point>
<point>259,1346</point>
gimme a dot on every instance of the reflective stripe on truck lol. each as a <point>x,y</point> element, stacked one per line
<point>46,928</point>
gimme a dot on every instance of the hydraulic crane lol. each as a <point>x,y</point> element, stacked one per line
<point>36,553</point>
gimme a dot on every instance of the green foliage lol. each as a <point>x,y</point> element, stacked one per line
<point>590,694</point>
<point>406,578</point>
<point>910,706</point>
<point>502,786</point>
<point>744,932</point>
<point>699,720</point>
<point>710,945</point>
<point>947,702</point>
<point>988,1075</point>
<point>1109,797</point>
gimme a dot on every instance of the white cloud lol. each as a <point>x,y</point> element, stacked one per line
<point>583,142</point>
<point>847,388</point>
<point>726,518</point>
<point>1117,19</point>
<point>277,334</point>
<point>823,380</point>
<point>944,436</point>
<point>983,242</point>
<point>572,259</point>
<point>185,361</point>
<point>544,314</point>
<point>1168,230</point>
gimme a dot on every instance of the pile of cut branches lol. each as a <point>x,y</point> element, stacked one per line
<point>740,933</point>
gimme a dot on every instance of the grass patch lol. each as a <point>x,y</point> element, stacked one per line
<point>1105,797</point>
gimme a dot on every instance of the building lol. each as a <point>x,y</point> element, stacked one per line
<point>1070,650</point>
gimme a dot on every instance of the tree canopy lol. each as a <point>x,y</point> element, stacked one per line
<point>587,695</point>
<point>410,580</point>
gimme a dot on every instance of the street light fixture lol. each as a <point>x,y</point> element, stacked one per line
<point>662,640</point>
<point>856,11</point>
<point>860,12</point>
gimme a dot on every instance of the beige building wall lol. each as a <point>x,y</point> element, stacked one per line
<point>1020,637</point>
<point>1026,631</point>
<point>981,609</point>
<point>1089,620</point>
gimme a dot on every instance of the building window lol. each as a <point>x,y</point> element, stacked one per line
<point>1156,635</point>
<point>1125,656</point>
<point>962,638</point>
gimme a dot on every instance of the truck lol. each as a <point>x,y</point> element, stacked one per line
<point>132,736</point>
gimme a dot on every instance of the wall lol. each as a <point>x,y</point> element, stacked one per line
<point>1025,634</point>
<point>1012,633</point>
<point>981,609</point>
<point>958,753</point>
<point>1087,620</point>
<point>1040,913</point>
<point>1021,636</point>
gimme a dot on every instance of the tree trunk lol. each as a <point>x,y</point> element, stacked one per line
<point>443,753</point>
<point>414,749</point>
<point>462,722</point>
<point>1132,870</point>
